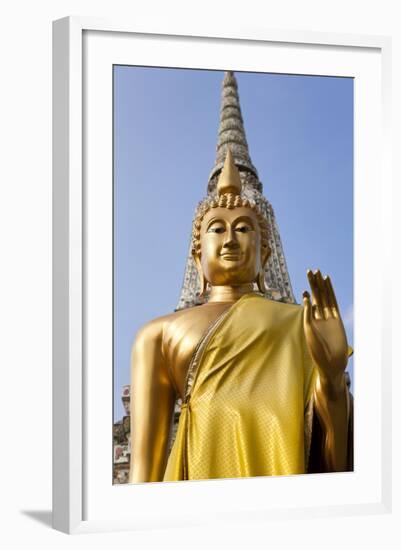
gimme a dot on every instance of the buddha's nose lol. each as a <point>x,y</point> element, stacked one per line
<point>231,241</point>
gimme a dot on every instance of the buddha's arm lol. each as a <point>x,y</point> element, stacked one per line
<point>152,405</point>
<point>327,344</point>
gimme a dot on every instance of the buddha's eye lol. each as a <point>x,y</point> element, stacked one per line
<point>216,229</point>
<point>243,228</point>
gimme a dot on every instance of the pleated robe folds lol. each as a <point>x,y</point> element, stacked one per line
<point>248,391</point>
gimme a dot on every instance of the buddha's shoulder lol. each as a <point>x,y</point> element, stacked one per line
<point>155,328</point>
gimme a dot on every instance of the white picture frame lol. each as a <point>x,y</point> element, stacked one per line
<point>84,499</point>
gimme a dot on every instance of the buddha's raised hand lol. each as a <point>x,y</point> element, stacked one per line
<point>324,329</point>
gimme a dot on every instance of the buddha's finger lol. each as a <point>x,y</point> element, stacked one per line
<point>317,313</point>
<point>307,308</point>
<point>332,297</point>
<point>323,295</point>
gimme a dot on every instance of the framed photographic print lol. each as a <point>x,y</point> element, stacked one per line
<point>144,126</point>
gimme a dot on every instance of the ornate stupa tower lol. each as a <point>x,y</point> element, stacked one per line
<point>232,135</point>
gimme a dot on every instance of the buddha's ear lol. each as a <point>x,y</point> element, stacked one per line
<point>265,255</point>
<point>260,279</point>
<point>202,278</point>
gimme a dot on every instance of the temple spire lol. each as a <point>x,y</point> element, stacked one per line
<point>231,130</point>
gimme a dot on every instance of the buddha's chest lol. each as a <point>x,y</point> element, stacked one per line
<point>182,337</point>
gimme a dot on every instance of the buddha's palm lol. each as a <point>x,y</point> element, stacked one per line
<point>324,329</point>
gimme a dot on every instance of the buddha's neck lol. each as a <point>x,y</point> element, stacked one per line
<point>229,293</point>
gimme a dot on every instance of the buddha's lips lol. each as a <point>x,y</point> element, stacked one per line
<point>228,256</point>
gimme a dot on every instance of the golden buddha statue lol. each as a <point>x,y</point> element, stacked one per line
<point>262,383</point>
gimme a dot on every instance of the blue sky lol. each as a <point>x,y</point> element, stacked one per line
<point>300,136</point>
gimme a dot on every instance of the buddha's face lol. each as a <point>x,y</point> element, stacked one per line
<point>230,246</point>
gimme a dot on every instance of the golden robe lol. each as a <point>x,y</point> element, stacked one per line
<point>249,389</point>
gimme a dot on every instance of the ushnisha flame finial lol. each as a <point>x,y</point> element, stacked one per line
<point>229,180</point>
